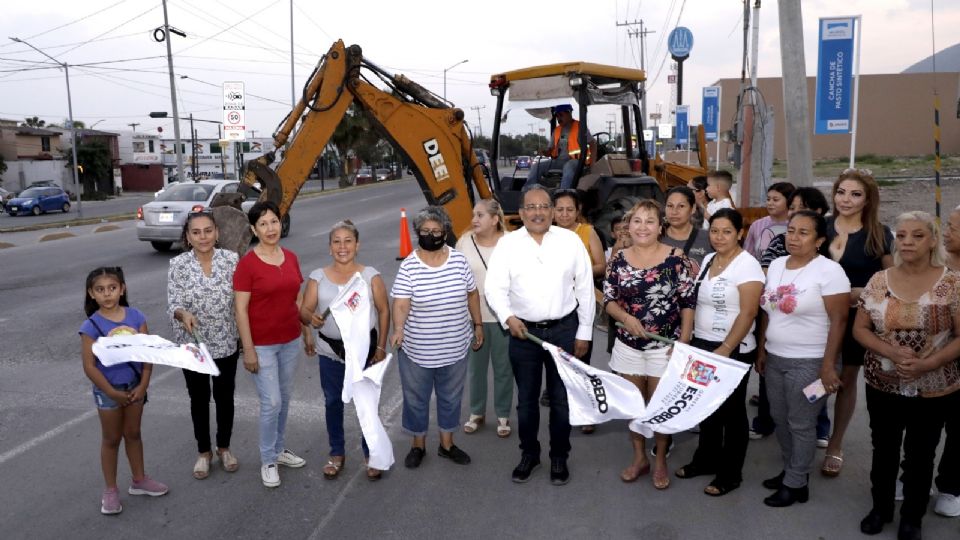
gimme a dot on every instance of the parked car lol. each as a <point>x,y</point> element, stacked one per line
<point>164,188</point>
<point>523,162</point>
<point>38,200</point>
<point>384,174</point>
<point>160,222</point>
<point>364,176</point>
<point>43,183</point>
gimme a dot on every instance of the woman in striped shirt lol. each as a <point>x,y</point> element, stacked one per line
<point>436,313</point>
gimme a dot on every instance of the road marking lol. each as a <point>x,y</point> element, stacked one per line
<point>392,408</point>
<point>10,454</point>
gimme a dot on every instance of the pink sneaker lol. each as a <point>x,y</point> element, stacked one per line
<point>148,486</point>
<point>110,503</point>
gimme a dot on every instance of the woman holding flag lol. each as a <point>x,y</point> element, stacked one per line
<point>728,296</point>
<point>323,286</point>
<point>649,287</point>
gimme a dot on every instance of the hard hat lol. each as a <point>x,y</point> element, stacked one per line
<point>563,107</point>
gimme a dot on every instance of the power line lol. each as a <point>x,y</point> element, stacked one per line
<point>85,17</point>
<point>124,23</point>
<point>229,27</point>
<point>307,16</point>
<point>63,45</point>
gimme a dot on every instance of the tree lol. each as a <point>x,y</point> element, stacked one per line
<point>96,167</point>
<point>33,121</point>
<point>354,134</point>
<point>77,124</point>
<point>3,166</point>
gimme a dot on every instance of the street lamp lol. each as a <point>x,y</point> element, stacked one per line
<point>73,129</point>
<point>445,77</point>
<point>95,124</point>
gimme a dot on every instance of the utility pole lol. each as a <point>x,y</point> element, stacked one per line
<point>253,133</point>
<point>795,108</point>
<point>640,34</point>
<point>479,125</point>
<point>293,88</point>
<point>173,90</point>
<point>134,125</point>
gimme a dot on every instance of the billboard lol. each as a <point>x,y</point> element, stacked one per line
<point>710,112</point>
<point>835,61</point>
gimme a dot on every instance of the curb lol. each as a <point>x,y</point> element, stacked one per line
<point>56,236</point>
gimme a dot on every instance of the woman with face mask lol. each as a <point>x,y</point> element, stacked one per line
<point>436,313</point>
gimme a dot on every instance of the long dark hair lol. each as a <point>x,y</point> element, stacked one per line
<point>90,305</point>
<point>185,233</point>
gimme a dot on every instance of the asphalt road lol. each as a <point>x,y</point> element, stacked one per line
<point>49,435</point>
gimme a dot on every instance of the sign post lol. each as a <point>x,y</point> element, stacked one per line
<point>838,74</point>
<point>679,43</point>
<point>710,116</point>
<point>683,128</point>
<point>234,112</point>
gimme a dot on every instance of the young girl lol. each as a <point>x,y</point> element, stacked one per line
<point>119,391</point>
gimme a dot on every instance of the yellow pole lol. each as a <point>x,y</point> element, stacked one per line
<point>936,149</point>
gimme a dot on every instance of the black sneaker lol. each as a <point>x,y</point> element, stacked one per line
<point>544,399</point>
<point>455,454</point>
<point>559,473</point>
<point>653,449</point>
<point>414,457</point>
<point>527,465</point>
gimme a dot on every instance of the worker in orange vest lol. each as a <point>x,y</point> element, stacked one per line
<point>564,149</point>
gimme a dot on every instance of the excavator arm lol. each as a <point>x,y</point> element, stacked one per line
<point>426,129</point>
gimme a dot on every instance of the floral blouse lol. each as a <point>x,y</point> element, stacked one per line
<point>655,296</point>
<point>924,325</point>
<point>209,299</point>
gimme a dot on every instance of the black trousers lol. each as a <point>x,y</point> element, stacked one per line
<point>198,387</point>
<point>724,435</point>
<point>529,361</point>
<point>915,423</point>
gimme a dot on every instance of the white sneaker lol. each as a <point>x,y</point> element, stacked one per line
<point>270,475</point>
<point>948,505</point>
<point>823,442</point>
<point>289,459</point>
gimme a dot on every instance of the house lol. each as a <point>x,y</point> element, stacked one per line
<point>31,155</point>
<point>141,165</point>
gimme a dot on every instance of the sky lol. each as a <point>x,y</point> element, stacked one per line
<point>249,41</point>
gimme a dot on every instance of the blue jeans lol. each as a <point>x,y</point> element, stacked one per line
<point>274,381</point>
<point>331,380</point>
<point>419,382</point>
<point>569,171</point>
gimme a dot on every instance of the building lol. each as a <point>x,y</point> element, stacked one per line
<point>211,160</point>
<point>895,115</point>
<point>31,155</point>
<point>141,161</point>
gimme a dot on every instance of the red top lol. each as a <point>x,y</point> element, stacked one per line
<point>273,313</point>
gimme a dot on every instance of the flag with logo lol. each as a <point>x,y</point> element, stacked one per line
<point>595,396</point>
<point>112,350</point>
<point>694,385</point>
<point>351,309</point>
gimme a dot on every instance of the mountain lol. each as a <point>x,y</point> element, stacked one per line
<point>947,60</point>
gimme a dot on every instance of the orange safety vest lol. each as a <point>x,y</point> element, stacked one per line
<point>573,141</point>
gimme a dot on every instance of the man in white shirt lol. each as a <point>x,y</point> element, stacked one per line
<point>539,282</point>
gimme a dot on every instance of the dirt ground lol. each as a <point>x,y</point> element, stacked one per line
<point>918,195</point>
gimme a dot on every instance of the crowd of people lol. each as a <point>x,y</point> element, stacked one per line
<point>807,295</point>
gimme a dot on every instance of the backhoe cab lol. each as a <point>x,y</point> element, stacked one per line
<point>617,178</point>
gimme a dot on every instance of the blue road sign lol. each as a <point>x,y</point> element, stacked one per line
<point>683,124</point>
<point>680,41</point>
<point>710,112</point>
<point>835,76</point>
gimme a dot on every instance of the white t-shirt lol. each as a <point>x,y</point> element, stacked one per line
<point>718,300</point>
<point>793,299</point>
<point>712,208</point>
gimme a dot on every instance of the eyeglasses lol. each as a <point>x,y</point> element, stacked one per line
<point>861,172</point>
<point>436,233</point>
<point>535,207</point>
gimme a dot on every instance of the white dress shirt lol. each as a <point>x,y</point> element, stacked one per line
<point>541,282</point>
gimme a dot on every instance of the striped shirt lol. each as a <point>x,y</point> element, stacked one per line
<point>438,330</point>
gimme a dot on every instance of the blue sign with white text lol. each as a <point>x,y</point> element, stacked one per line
<point>710,112</point>
<point>835,76</point>
<point>680,41</point>
<point>683,124</point>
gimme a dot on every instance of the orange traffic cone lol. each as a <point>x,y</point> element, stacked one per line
<point>405,247</point>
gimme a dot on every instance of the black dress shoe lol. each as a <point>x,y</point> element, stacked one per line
<point>785,496</point>
<point>559,473</point>
<point>454,454</point>
<point>528,464</point>
<point>774,483</point>
<point>873,523</point>
<point>414,457</point>
<point>908,531</point>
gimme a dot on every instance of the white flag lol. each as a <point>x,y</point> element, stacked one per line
<point>593,395</point>
<point>366,397</point>
<point>694,385</point>
<point>351,310</point>
<point>154,350</point>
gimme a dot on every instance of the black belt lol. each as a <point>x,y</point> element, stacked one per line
<point>542,325</point>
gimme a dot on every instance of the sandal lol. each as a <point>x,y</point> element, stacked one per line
<point>631,473</point>
<point>691,470</point>
<point>473,424</point>
<point>201,469</point>
<point>333,468</point>
<point>661,478</point>
<point>503,428</point>
<point>832,464</point>
<point>373,474</point>
<point>588,430</point>
<point>228,461</point>
<point>719,489</point>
